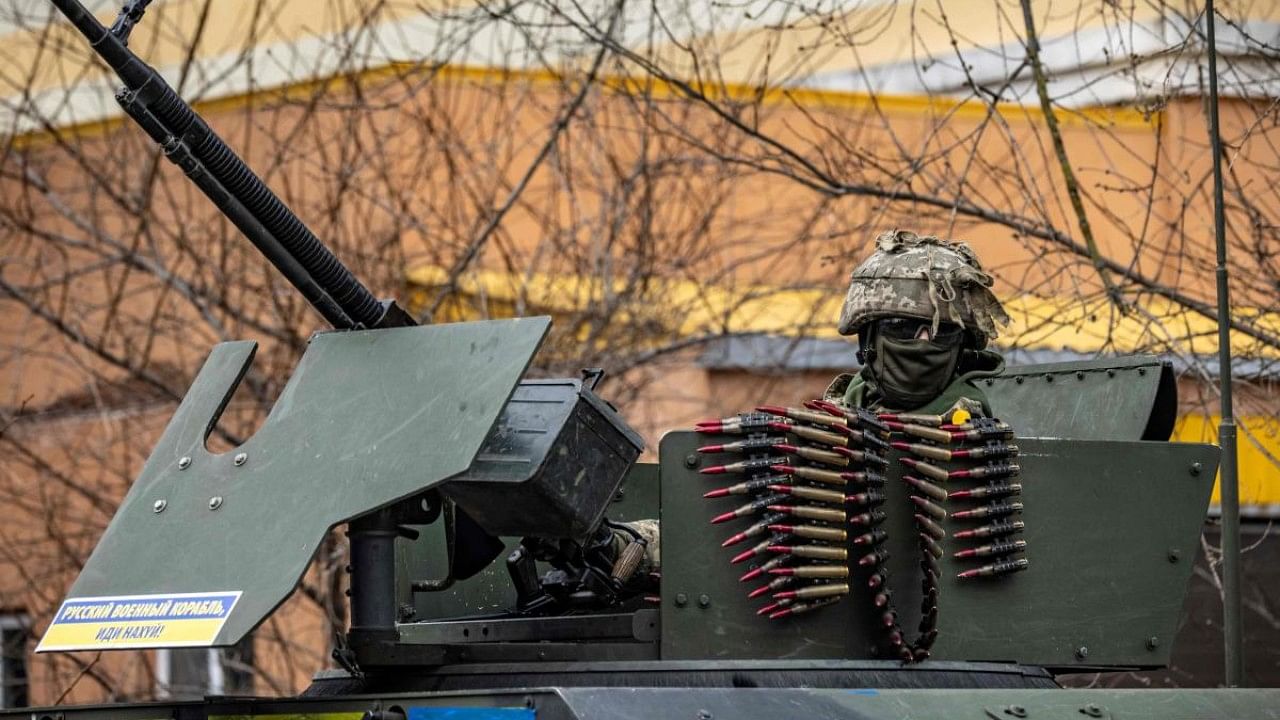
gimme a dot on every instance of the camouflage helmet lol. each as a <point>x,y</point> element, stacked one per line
<point>923,277</point>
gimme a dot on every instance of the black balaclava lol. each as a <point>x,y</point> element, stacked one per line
<point>907,373</point>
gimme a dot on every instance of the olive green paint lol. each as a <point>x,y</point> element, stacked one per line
<point>1103,521</point>
<point>368,418</point>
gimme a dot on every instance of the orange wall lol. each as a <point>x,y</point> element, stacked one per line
<point>424,169</point>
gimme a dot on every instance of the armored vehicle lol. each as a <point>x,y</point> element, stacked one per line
<point>496,569</point>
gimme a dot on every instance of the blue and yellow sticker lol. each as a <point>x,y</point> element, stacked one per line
<point>139,621</point>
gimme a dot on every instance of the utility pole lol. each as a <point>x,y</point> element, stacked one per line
<point>1232,626</point>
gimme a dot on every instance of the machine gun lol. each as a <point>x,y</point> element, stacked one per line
<point>509,479</point>
<point>227,181</point>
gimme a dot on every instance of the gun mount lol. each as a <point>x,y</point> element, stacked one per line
<point>430,404</point>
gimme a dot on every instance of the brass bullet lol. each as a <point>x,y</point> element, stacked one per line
<point>828,477</point>
<point>809,512</point>
<point>925,487</point>
<point>811,532</point>
<point>740,446</point>
<point>875,537</point>
<point>853,417</point>
<point>742,466</point>
<point>990,490</point>
<point>810,493</point>
<point>826,457</point>
<point>913,418</point>
<point>772,563</point>
<point>876,557</point>
<point>932,472</point>
<point>868,519</point>
<point>992,449</point>
<point>812,434</point>
<point>863,457</point>
<point>996,569</point>
<point>994,549</point>
<point>931,528</point>
<point>801,608</point>
<point>815,552</point>
<point>811,592</point>
<point>759,549</point>
<point>928,508</point>
<point>750,486</point>
<point>736,425</point>
<point>813,571</point>
<point>818,418</point>
<point>750,508</point>
<point>756,529</point>
<point>921,431</point>
<point>993,470</point>
<point>931,546</point>
<point>996,509</point>
<point>996,529</point>
<point>777,583</point>
<point>870,498</point>
<point>933,452</point>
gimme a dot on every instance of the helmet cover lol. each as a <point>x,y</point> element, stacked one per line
<point>924,277</point>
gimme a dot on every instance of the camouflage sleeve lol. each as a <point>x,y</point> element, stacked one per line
<point>975,408</point>
<point>835,392</point>
<point>650,531</point>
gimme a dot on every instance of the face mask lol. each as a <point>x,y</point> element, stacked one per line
<point>910,373</point>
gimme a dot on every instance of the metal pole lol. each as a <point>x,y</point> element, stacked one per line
<point>373,575</point>
<point>1232,629</point>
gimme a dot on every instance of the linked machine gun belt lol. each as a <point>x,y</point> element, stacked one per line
<point>1010,559</point>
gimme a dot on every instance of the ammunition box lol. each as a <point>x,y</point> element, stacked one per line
<point>551,464</point>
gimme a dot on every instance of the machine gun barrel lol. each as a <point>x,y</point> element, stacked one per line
<point>234,188</point>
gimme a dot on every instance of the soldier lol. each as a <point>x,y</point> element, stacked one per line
<point>923,311</point>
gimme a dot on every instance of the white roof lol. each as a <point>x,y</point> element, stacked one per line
<point>1096,55</point>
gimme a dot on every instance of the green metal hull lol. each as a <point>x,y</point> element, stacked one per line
<point>713,703</point>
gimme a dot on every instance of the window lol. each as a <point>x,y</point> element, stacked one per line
<point>14,633</point>
<point>197,672</point>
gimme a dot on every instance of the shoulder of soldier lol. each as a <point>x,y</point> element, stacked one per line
<point>975,407</point>
<point>964,392</point>
<point>836,391</point>
<point>959,395</point>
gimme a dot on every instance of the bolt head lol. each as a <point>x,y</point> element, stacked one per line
<point>240,459</point>
<point>159,505</point>
<point>681,599</point>
<point>704,600</point>
<point>1018,379</point>
<point>1173,555</point>
<point>1079,374</point>
<point>691,461</point>
<point>184,462</point>
<point>1082,652</point>
<point>215,502</point>
<point>1196,468</point>
<point>1153,642</point>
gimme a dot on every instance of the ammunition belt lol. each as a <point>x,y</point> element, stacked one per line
<point>812,478</point>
